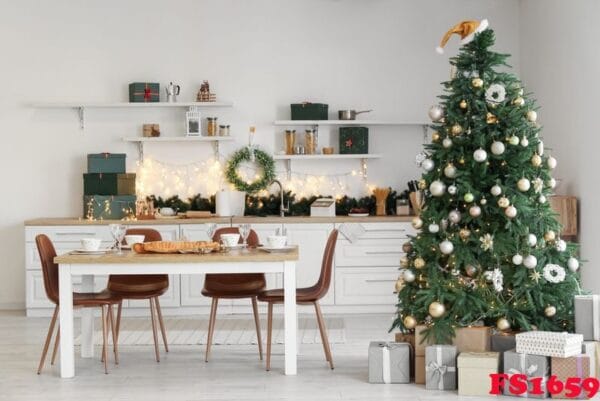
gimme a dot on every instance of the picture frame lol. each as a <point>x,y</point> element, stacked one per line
<point>193,126</point>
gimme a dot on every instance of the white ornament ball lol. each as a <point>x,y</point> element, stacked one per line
<point>530,262</point>
<point>436,113</point>
<point>532,240</point>
<point>452,190</point>
<point>480,155</point>
<point>513,140</point>
<point>447,143</point>
<point>408,276</point>
<point>503,324</point>
<point>552,183</point>
<point>454,216</point>
<point>437,188</point>
<point>417,222</point>
<point>550,311</point>
<point>551,162</point>
<point>475,211</point>
<point>450,171</point>
<point>446,247</point>
<point>532,116</point>
<point>483,201</point>
<point>523,184</point>
<point>561,245</point>
<point>436,309</point>
<point>573,264</point>
<point>517,259</point>
<point>540,148</point>
<point>496,190</point>
<point>510,212</point>
<point>434,228</point>
<point>542,199</point>
<point>428,164</point>
<point>469,197</point>
<point>503,202</point>
<point>524,142</point>
<point>497,148</point>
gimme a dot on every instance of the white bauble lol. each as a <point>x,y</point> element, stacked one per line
<point>523,184</point>
<point>408,276</point>
<point>437,188</point>
<point>561,245</point>
<point>446,247</point>
<point>496,190</point>
<point>503,202</point>
<point>436,112</point>
<point>454,216</point>
<point>428,164</point>
<point>469,197</point>
<point>531,240</point>
<point>417,222</point>
<point>524,142</point>
<point>530,262</point>
<point>542,199</point>
<point>497,148</point>
<point>532,116</point>
<point>510,212</point>
<point>452,190</point>
<point>480,155</point>
<point>517,259</point>
<point>447,143</point>
<point>551,183</point>
<point>434,228</point>
<point>540,148</point>
<point>450,171</point>
<point>513,140</point>
<point>551,162</point>
<point>550,311</point>
<point>483,201</point>
<point>573,264</point>
<point>475,211</point>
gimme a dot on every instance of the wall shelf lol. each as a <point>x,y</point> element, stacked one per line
<point>140,140</point>
<point>362,157</point>
<point>346,123</point>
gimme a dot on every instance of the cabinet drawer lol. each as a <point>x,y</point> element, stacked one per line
<point>32,257</point>
<point>36,293</point>
<point>372,286</point>
<point>369,252</point>
<point>68,233</point>
<point>397,230</point>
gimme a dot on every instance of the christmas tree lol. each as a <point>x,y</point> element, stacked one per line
<point>488,249</point>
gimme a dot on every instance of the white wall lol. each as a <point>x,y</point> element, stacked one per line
<point>260,54</point>
<point>560,64</point>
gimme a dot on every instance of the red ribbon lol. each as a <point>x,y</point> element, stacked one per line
<point>147,93</point>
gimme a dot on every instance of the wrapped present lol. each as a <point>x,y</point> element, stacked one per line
<point>421,342</point>
<point>592,349</point>
<point>108,184</point>
<point>389,362</point>
<point>474,370</point>
<point>419,369</point>
<point>440,367</point>
<point>102,207</point>
<point>587,316</point>
<point>410,339</point>
<point>467,339</point>
<point>502,342</point>
<point>354,140</point>
<point>309,111</point>
<point>564,368</point>
<point>106,163</point>
<point>530,366</point>
<point>144,92</point>
<point>547,343</point>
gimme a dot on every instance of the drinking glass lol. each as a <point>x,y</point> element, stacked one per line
<point>210,230</point>
<point>118,233</point>
<point>245,232</point>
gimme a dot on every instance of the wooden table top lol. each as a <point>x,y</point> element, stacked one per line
<point>249,255</point>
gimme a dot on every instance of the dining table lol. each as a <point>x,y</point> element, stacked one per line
<point>247,260</point>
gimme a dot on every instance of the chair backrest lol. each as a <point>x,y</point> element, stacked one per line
<point>322,286</point>
<point>49,268</point>
<point>150,234</point>
<point>252,237</point>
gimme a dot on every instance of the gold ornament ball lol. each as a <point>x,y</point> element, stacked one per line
<point>536,160</point>
<point>436,309</point>
<point>404,262</point>
<point>435,136</point>
<point>550,311</point>
<point>519,101</point>
<point>464,233</point>
<point>491,119</point>
<point>456,129</point>
<point>409,322</point>
<point>471,270</point>
<point>419,263</point>
<point>531,116</point>
<point>477,82</point>
<point>550,236</point>
<point>463,104</point>
<point>399,285</point>
<point>503,324</point>
<point>417,222</point>
<point>422,184</point>
<point>503,202</point>
<point>407,247</point>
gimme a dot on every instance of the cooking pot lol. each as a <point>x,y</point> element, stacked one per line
<point>350,114</point>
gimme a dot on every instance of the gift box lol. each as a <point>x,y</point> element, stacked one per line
<point>592,349</point>
<point>564,368</point>
<point>410,339</point>
<point>144,92</point>
<point>108,184</point>
<point>502,342</point>
<point>310,111</point>
<point>103,207</point>
<point>106,163</point>
<point>474,370</point>
<point>389,362</point>
<point>528,365</point>
<point>420,369</point>
<point>440,367</point>
<point>467,339</point>
<point>587,316</point>
<point>421,341</point>
<point>354,140</point>
<point>547,343</point>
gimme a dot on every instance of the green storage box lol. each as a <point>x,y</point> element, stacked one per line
<point>354,140</point>
<point>106,207</point>
<point>144,92</point>
<point>310,111</point>
<point>106,163</point>
<point>108,184</point>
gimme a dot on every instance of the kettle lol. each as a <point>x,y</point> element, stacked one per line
<point>172,92</point>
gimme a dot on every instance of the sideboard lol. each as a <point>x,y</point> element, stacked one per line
<point>364,275</point>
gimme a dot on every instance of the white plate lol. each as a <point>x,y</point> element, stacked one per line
<point>238,246</point>
<point>84,252</point>
<point>285,249</point>
<point>358,214</point>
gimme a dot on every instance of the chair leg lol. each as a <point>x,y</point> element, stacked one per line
<point>113,330</point>
<point>104,339</point>
<point>48,339</point>
<point>56,342</point>
<point>153,318</point>
<point>118,328</point>
<point>211,326</point>
<point>257,324</point>
<point>162,324</point>
<point>324,338</point>
<point>269,334</point>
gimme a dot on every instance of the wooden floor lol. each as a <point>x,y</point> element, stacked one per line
<point>234,372</point>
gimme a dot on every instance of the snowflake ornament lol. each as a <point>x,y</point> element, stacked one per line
<point>497,279</point>
<point>487,242</point>
<point>538,185</point>
<point>554,273</point>
<point>495,94</point>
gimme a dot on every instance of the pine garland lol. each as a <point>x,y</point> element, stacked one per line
<point>264,161</point>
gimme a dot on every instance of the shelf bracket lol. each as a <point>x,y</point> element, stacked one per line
<point>425,136</point>
<point>216,149</point>
<point>140,145</point>
<point>363,169</point>
<point>81,113</point>
<point>288,168</point>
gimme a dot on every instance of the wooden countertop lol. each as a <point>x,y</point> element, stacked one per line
<point>250,255</point>
<point>75,221</point>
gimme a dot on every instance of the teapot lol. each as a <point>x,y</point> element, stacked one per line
<point>172,92</point>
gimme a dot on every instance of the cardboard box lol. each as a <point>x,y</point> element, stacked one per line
<point>467,339</point>
<point>420,369</point>
<point>106,163</point>
<point>108,184</point>
<point>564,368</point>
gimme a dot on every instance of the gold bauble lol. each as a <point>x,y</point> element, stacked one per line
<point>419,263</point>
<point>519,101</point>
<point>536,160</point>
<point>463,104</point>
<point>503,202</point>
<point>409,322</point>
<point>436,309</point>
<point>407,247</point>
<point>461,161</point>
<point>417,222</point>
<point>464,233</point>
<point>422,184</point>
<point>477,82</point>
<point>550,236</point>
<point>503,324</point>
<point>435,136</point>
<point>550,311</point>
<point>456,129</point>
<point>491,119</point>
<point>531,116</point>
<point>399,285</point>
<point>404,262</point>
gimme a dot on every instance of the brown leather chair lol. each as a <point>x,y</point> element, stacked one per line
<point>104,299</point>
<point>149,287</point>
<point>306,296</point>
<point>233,286</point>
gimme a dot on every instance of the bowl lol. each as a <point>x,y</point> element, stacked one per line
<point>131,240</point>
<point>276,241</point>
<point>91,244</point>
<point>166,211</point>
<point>230,239</point>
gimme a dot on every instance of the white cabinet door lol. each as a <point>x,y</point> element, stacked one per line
<point>365,286</point>
<point>68,233</point>
<point>32,256</point>
<point>168,233</point>
<point>36,293</point>
<point>311,239</point>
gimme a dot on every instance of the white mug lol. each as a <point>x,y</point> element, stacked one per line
<point>90,244</point>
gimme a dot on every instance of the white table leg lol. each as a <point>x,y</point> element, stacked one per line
<point>87,320</point>
<point>290,317</point>
<point>65,287</point>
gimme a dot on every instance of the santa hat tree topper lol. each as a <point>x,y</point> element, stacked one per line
<point>466,30</point>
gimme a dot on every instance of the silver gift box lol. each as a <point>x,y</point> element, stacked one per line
<point>529,365</point>
<point>440,367</point>
<point>587,316</point>
<point>389,362</point>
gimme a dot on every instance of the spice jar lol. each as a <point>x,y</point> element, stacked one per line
<point>290,141</point>
<point>310,141</point>
<point>211,127</point>
<point>223,130</point>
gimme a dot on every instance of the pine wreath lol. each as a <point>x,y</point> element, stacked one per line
<point>262,159</point>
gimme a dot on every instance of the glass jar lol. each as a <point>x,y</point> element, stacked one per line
<point>211,127</point>
<point>290,141</point>
<point>310,141</point>
<point>223,130</point>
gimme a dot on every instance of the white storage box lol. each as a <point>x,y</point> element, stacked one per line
<point>547,343</point>
<point>323,207</point>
